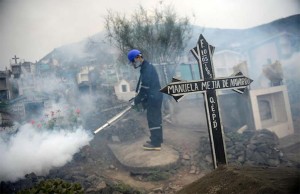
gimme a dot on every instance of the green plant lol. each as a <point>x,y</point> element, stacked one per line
<point>124,188</point>
<point>54,186</point>
<point>157,176</point>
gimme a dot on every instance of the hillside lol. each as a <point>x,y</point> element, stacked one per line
<point>96,49</point>
<point>239,39</point>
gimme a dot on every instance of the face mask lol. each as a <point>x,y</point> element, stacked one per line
<point>136,63</point>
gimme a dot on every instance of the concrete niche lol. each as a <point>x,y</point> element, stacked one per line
<point>271,110</point>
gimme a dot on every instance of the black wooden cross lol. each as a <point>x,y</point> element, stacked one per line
<point>208,85</point>
<point>15,58</point>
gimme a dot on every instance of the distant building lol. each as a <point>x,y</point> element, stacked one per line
<point>224,61</point>
<point>27,107</point>
<point>109,75</point>
<point>83,79</point>
<point>16,70</point>
<point>123,90</point>
<point>5,86</point>
<point>22,68</point>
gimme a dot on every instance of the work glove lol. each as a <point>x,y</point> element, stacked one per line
<point>137,107</point>
<point>132,101</point>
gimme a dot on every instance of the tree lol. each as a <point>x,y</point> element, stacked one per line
<point>160,35</point>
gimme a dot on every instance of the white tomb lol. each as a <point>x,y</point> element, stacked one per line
<point>271,110</point>
<point>123,91</point>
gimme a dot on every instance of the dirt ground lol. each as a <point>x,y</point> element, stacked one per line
<point>233,179</point>
<point>229,179</point>
<point>97,160</point>
<point>186,142</point>
<point>96,168</point>
<point>225,179</point>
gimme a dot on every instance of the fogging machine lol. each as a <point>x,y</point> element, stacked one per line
<point>113,119</point>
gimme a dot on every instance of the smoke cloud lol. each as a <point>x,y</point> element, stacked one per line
<point>291,66</point>
<point>38,150</point>
<point>50,135</point>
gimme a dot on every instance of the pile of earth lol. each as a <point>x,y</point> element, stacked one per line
<point>247,179</point>
<point>253,148</point>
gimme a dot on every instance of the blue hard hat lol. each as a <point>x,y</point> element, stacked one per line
<point>133,54</point>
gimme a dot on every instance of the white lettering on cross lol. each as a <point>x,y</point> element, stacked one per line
<point>215,123</point>
<point>203,53</point>
<point>182,88</point>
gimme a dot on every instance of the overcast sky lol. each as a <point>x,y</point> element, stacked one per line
<point>31,29</point>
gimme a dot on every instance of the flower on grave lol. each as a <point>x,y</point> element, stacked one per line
<point>77,111</point>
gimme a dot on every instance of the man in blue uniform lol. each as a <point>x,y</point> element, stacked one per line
<point>150,97</point>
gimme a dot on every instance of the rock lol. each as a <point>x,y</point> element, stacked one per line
<point>273,162</point>
<point>116,192</point>
<point>101,185</point>
<point>91,190</point>
<point>251,147</point>
<point>185,162</point>
<point>230,150</point>
<point>112,167</point>
<point>158,190</point>
<point>186,157</point>
<point>249,162</point>
<point>192,172</point>
<point>92,178</point>
<point>208,158</point>
<point>115,139</point>
<point>262,148</point>
<point>249,154</point>
<point>229,143</point>
<point>274,154</point>
<point>77,178</point>
<point>239,147</point>
<point>258,158</point>
<point>193,169</point>
<point>229,156</point>
<point>90,160</point>
<point>174,187</point>
<point>241,158</point>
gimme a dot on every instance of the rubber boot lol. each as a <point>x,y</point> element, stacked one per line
<point>156,137</point>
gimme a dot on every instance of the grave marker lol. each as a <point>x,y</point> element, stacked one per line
<point>16,59</point>
<point>208,85</point>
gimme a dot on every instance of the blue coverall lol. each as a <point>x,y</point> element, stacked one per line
<point>151,98</point>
